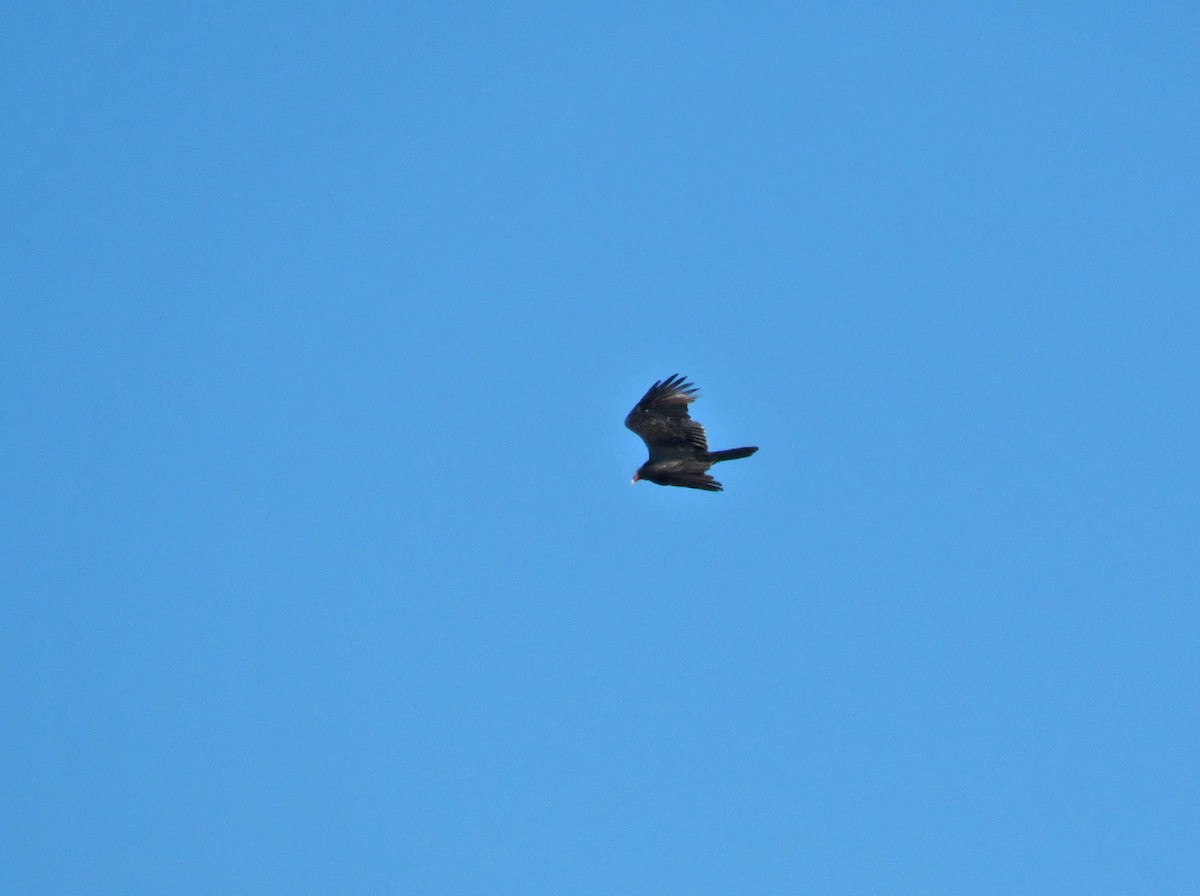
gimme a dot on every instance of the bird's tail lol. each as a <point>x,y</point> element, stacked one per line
<point>730,454</point>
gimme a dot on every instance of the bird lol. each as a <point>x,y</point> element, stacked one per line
<point>677,444</point>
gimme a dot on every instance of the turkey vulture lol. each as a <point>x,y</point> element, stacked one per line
<point>679,452</point>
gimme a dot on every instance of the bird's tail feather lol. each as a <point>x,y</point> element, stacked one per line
<point>730,454</point>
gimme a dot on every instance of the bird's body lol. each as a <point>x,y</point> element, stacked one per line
<point>677,444</point>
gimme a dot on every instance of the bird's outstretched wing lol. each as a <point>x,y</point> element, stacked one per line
<point>661,419</point>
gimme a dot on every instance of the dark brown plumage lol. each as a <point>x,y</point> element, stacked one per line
<point>678,448</point>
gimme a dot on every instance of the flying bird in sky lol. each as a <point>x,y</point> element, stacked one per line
<point>678,448</point>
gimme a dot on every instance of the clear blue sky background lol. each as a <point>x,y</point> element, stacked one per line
<point>321,568</point>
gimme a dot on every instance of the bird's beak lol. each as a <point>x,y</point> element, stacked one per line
<point>634,480</point>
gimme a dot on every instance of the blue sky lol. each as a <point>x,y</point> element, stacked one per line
<point>321,568</point>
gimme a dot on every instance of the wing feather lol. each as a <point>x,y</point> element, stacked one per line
<point>661,420</point>
<point>698,480</point>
